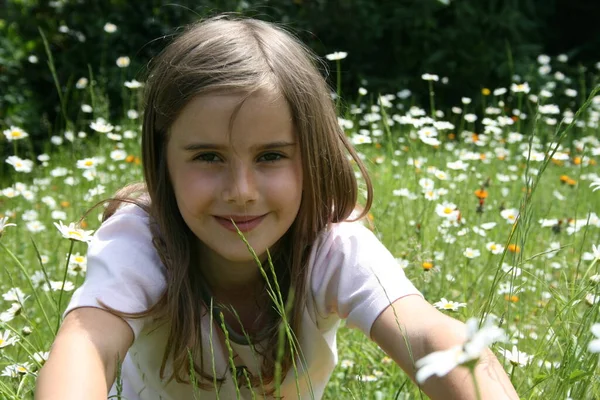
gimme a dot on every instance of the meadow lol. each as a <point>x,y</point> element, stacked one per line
<point>490,210</point>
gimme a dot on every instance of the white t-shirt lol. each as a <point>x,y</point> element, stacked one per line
<point>351,276</point>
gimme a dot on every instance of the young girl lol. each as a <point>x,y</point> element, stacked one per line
<point>240,138</point>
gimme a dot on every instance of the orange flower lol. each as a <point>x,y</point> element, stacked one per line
<point>377,145</point>
<point>83,224</point>
<point>475,137</point>
<point>564,178</point>
<point>451,136</point>
<point>427,265</point>
<point>571,182</point>
<point>130,158</point>
<point>65,204</point>
<point>481,194</point>
<point>557,162</point>
<point>592,161</point>
<point>513,299</point>
<point>514,118</point>
<point>577,160</point>
<point>138,161</point>
<point>482,156</point>
<point>514,248</point>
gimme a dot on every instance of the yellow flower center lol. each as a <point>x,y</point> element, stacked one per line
<point>75,233</point>
<point>89,163</point>
<point>448,210</point>
<point>448,306</point>
<point>15,134</point>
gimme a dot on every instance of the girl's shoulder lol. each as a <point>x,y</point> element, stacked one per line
<point>346,235</point>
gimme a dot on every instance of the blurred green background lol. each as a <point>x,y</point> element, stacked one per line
<point>473,43</point>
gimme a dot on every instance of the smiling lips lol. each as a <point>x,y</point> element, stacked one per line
<point>244,223</point>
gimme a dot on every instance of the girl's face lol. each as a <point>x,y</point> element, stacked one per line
<point>247,169</point>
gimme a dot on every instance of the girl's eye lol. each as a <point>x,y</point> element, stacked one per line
<point>209,158</point>
<point>270,157</point>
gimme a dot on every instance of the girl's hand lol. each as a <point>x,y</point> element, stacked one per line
<point>411,328</point>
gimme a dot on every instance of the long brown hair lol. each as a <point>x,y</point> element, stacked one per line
<point>232,54</point>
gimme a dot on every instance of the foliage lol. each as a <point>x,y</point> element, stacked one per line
<point>474,44</point>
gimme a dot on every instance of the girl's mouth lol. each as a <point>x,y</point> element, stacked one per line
<point>244,223</point>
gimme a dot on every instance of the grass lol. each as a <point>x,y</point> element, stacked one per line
<point>429,210</point>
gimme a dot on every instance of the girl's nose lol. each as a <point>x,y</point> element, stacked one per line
<point>240,186</point>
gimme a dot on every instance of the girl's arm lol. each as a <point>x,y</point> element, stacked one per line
<point>428,330</point>
<point>84,356</point>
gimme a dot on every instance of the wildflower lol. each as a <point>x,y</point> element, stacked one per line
<point>457,165</point>
<point>15,133</point>
<point>513,248</point>
<point>444,304</point>
<point>73,233</point>
<point>11,313</point>
<point>447,210</point>
<point>571,92</point>
<point>543,59</point>
<point>512,298</point>
<point>81,83</point>
<point>20,165</point>
<point>471,253</point>
<point>4,225</point>
<point>427,265</point>
<point>594,345</point>
<point>591,299</point>
<point>87,163</point>
<point>40,357</point>
<point>360,139</point>
<point>86,108</point>
<point>118,155</point>
<point>110,27</point>
<point>123,62</point>
<point>596,252</point>
<point>58,285</point>
<point>15,294</point>
<point>345,364</point>
<point>516,357</point>
<point>440,363</point>
<point>338,55</point>
<point>494,248</point>
<point>481,194</point>
<point>485,91</point>
<point>6,339</point>
<point>520,88</point>
<point>430,77</point>
<point>133,84</point>
<point>510,214</point>
<point>100,125</point>
<point>16,370</point>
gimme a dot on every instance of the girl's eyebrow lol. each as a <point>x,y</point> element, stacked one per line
<point>213,146</point>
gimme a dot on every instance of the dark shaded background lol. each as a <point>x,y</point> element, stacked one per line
<point>474,43</point>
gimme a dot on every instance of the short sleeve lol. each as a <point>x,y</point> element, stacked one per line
<point>123,267</point>
<point>354,276</point>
